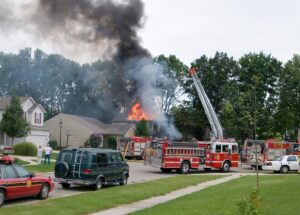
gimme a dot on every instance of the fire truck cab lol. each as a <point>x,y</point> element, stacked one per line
<point>184,156</point>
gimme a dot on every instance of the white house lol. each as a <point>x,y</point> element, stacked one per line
<point>34,115</point>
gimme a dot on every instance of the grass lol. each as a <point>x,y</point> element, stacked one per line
<point>20,161</point>
<point>41,168</point>
<point>53,155</point>
<point>92,201</point>
<point>279,196</point>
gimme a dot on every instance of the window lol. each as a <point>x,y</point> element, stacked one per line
<point>9,172</point>
<point>23,173</point>
<point>116,157</point>
<point>234,149</point>
<point>218,148</point>
<point>292,158</point>
<point>225,148</point>
<point>37,118</point>
<point>113,158</point>
<point>102,160</point>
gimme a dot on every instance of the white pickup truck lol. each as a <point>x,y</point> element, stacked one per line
<point>284,164</point>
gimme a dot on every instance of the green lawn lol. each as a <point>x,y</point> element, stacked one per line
<point>21,162</point>
<point>41,168</point>
<point>93,201</point>
<point>279,195</point>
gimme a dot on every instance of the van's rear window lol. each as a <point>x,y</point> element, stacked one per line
<point>67,156</point>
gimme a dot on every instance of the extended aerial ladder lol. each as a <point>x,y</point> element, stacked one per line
<point>208,108</point>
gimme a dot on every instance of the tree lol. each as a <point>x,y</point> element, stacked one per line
<point>171,80</point>
<point>288,114</point>
<point>13,122</point>
<point>217,75</point>
<point>258,95</point>
<point>142,129</point>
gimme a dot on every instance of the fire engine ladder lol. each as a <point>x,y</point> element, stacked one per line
<point>126,149</point>
<point>208,108</point>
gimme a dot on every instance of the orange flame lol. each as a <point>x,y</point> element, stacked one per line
<point>137,113</point>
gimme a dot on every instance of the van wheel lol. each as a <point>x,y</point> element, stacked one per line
<point>185,167</point>
<point>44,192</point>
<point>124,180</point>
<point>2,197</point>
<point>226,167</point>
<point>98,184</point>
<point>65,185</point>
<point>284,169</point>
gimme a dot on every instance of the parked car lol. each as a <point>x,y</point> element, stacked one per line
<point>90,166</point>
<point>6,150</point>
<point>17,182</point>
<point>284,164</point>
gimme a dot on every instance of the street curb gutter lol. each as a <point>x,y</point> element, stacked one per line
<point>147,203</point>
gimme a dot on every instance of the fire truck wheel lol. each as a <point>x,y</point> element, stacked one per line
<point>284,169</point>
<point>166,170</point>
<point>2,197</point>
<point>226,167</point>
<point>185,167</point>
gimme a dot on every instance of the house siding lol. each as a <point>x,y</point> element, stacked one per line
<point>79,134</point>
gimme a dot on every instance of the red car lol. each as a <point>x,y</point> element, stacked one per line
<point>17,182</point>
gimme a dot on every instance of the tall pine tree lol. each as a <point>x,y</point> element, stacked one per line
<point>13,122</point>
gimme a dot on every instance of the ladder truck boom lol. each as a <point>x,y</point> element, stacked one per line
<point>208,108</point>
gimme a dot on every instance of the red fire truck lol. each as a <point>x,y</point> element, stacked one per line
<point>132,147</point>
<point>184,156</point>
<point>268,150</point>
<point>217,153</point>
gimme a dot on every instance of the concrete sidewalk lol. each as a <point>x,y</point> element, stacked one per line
<point>31,159</point>
<point>147,203</point>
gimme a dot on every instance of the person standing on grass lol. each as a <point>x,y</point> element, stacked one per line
<point>48,151</point>
<point>39,155</point>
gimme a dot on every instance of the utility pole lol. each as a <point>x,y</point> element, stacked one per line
<point>60,128</point>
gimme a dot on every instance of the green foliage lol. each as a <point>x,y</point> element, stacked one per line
<point>53,144</point>
<point>288,114</point>
<point>112,142</point>
<point>25,148</point>
<point>172,89</point>
<point>13,122</point>
<point>21,162</point>
<point>249,206</point>
<point>95,141</point>
<point>141,129</point>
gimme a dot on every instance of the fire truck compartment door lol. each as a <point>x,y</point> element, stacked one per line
<point>137,149</point>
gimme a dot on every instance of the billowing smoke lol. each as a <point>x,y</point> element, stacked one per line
<point>106,29</point>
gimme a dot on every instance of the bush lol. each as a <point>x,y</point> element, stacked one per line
<point>53,144</point>
<point>25,148</point>
<point>112,142</point>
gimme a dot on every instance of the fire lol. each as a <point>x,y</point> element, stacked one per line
<point>137,113</point>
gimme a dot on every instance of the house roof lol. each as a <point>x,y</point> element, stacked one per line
<point>5,101</point>
<point>98,127</point>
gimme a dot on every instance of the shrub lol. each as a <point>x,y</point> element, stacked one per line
<point>53,144</point>
<point>95,141</point>
<point>251,206</point>
<point>25,148</point>
<point>112,142</point>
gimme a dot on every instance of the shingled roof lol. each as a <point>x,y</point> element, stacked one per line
<point>5,101</point>
<point>98,127</point>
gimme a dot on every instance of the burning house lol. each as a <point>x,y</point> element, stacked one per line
<point>137,113</point>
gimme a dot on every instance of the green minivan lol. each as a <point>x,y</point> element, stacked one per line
<point>90,166</point>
